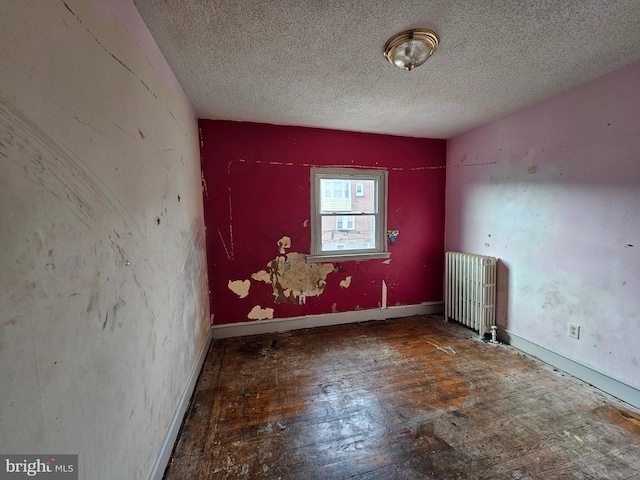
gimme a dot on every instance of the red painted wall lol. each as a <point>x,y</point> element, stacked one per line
<point>256,181</point>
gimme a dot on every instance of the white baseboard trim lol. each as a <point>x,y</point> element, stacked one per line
<point>160,465</point>
<point>242,329</point>
<point>608,384</point>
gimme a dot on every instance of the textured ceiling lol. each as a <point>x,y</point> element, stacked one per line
<point>319,63</point>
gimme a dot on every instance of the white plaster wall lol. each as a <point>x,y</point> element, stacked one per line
<point>103,287</point>
<point>554,192</point>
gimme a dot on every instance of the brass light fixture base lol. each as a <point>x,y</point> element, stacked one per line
<point>411,48</point>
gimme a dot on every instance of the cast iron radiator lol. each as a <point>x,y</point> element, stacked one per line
<point>470,290</point>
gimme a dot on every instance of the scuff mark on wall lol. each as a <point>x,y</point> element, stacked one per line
<point>240,287</point>
<point>532,169</point>
<point>346,282</point>
<point>95,38</point>
<point>291,276</point>
<point>226,250</point>
<point>259,313</point>
<point>204,185</point>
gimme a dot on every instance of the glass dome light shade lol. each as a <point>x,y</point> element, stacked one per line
<point>411,48</point>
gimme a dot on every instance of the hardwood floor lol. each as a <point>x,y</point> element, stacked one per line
<point>409,398</point>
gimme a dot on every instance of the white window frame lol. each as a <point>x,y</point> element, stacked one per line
<point>380,179</point>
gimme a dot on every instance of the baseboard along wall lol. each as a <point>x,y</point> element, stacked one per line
<point>323,320</point>
<point>160,464</point>
<point>602,381</point>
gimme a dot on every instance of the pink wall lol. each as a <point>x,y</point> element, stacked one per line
<point>554,192</point>
<point>257,180</point>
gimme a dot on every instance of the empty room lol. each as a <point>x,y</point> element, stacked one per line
<point>300,240</point>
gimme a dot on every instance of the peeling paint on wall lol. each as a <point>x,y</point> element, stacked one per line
<point>261,276</point>
<point>241,174</point>
<point>240,287</point>
<point>384,295</point>
<point>284,243</point>
<point>291,276</point>
<point>346,282</point>
<point>259,313</point>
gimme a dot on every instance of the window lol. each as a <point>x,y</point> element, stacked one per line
<point>345,222</point>
<point>336,189</point>
<point>348,212</point>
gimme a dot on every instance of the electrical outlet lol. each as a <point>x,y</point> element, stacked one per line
<point>574,330</point>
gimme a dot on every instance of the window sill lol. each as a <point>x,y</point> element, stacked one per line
<point>347,257</point>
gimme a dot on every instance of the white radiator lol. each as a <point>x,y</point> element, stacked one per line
<point>470,290</point>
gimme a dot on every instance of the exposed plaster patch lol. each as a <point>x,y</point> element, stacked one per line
<point>259,313</point>
<point>240,287</point>
<point>387,261</point>
<point>305,224</point>
<point>292,276</point>
<point>283,243</point>
<point>346,282</point>
<point>261,276</point>
<point>384,295</point>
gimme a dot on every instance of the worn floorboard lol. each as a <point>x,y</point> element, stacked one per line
<point>409,398</point>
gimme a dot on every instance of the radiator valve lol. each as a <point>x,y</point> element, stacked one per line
<point>494,334</point>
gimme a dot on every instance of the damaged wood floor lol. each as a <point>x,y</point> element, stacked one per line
<point>408,398</point>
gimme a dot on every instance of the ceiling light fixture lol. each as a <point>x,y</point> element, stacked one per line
<point>411,48</point>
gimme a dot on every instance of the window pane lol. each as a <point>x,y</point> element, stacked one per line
<point>348,232</point>
<point>349,196</point>
<point>345,222</point>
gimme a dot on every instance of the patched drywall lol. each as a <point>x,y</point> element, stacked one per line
<point>103,293</point>
<point>553,191</point>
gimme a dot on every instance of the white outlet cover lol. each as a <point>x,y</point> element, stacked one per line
<point>574,330</point>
